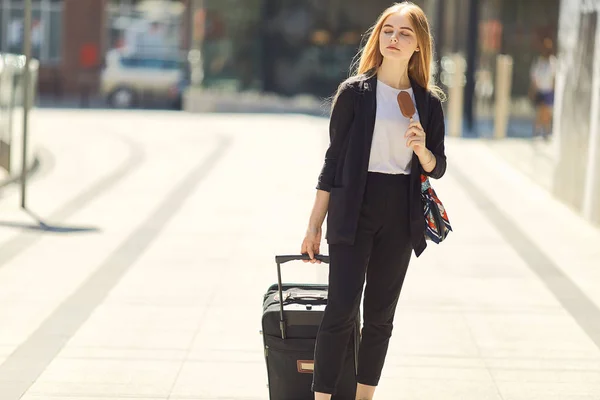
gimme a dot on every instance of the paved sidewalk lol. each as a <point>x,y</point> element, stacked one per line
<point>160,232</point>
<point>534,158</point>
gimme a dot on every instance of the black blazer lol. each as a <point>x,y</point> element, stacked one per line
<point>345,170</point>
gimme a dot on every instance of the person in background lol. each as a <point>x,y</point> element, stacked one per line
<point>543,73</point>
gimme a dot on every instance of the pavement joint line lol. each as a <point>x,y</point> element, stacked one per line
<point>22,368</point>
<point>15,246</point>
<point>584,311</point>
<point>481,357</point>
<point>199,327</point>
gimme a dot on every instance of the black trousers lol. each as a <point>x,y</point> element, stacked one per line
<point>381,252</point>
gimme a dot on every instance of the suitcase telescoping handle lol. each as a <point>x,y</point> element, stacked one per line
<point>282,260</point>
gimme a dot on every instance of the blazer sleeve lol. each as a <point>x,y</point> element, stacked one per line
<point>339,126</point>
<point>436,135</point>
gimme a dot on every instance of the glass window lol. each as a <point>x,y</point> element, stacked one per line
<point>14,31</point>
<point>150,63</point>
<point>519,29</point>
<point>512,27</point>
<point>151,29</point>
<point>55,34</point>
<point>230,46</point>
<point>33,2</point>
<point>313,41</point>
<point>38,36</point>
<point>46,28</point>
<point>287,47</point>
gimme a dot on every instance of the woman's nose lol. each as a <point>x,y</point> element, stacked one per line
<point>394,38</point>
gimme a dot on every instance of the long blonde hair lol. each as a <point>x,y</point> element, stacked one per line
<point>419,66</point>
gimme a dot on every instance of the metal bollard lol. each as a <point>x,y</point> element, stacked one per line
<point>455,66</point>
<point>504,69</point>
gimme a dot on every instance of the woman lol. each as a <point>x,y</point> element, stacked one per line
<point>543,74</point>
<point>369,188</point>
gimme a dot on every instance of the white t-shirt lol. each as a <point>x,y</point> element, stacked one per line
<point>389,153</point>
<point>543,73</point>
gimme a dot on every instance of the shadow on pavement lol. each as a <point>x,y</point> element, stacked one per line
<point>40,225</point>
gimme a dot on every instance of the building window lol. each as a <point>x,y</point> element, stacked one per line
<point>46,28</point>
<point>315,42</point>
<point>229,37</point>
<point>148,29</point>
<point>288,47</point>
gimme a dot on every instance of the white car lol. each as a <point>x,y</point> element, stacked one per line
<point>133,80</point>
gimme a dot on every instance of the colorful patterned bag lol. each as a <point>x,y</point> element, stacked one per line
<point>438,224</point>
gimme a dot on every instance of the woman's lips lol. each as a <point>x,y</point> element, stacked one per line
<point>393,48</point>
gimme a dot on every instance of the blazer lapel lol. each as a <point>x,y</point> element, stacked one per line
<point>370,106</point>
<point>421,100</point>
<point>422,108</point>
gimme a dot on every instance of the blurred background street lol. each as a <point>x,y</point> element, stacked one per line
<point>172,148</point>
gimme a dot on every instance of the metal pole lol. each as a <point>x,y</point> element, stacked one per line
<point>440,26</point>
<point>26,96</point>
<point>472,44</point>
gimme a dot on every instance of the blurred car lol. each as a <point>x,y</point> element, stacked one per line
<point>135,81</point>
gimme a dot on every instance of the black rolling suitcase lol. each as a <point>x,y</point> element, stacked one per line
<point>292,314</point>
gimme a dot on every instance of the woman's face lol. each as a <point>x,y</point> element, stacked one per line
<point>398,40</point>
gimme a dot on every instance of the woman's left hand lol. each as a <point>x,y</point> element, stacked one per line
<point>416,138</point>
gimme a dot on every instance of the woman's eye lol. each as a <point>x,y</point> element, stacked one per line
<point>388,32</point>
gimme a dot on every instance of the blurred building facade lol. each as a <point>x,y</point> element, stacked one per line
<point>577,108</point>
<point>287,47</point>
<point>72,37</point>
<point>293,47</point>
<point>481,30</point>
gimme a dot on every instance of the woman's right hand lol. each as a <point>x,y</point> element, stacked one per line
<point>312,244</point>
